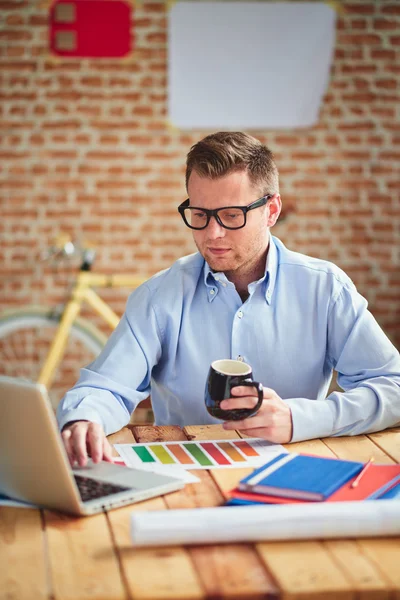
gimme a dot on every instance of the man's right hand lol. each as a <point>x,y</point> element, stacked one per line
<point>84,438</point>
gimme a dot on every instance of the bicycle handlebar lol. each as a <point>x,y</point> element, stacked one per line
<point>63,247</point>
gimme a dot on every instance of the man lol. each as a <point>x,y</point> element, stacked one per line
<point>245,296</point>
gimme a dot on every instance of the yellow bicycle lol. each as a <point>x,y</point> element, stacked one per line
<point>50,344</point>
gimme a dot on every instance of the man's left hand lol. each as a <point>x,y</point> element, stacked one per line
<point>272,422</point>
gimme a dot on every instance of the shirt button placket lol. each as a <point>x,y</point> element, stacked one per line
<point>239,315</point>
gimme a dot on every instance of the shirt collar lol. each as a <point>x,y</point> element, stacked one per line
<point>211,279</point>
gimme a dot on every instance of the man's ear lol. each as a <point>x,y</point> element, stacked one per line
<point>274,210</point>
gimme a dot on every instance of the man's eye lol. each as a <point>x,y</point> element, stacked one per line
<point>231,214</point>
<point>199,215</point>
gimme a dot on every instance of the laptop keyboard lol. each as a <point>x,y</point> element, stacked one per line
<point>90,489</point>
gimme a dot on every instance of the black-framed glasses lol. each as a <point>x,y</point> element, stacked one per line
<point>229,217</point>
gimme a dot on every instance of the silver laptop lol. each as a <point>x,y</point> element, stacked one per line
<point>34,466</point>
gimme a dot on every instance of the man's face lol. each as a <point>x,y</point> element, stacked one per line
<point>229,250</point>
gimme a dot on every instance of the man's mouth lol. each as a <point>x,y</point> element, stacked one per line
<point>219,251</point>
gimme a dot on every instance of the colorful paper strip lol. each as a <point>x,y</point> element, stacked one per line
<point>163,456</point>
<point>198,454</point>
<point>215,453</point>
<point>231,452</point>
<point>144,454</point>
<point>180,454</point>
<point>246,448</point>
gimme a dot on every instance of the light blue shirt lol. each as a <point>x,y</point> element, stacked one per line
<point>303,319</point>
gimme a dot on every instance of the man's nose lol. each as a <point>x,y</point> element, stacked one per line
<point>214,229</point>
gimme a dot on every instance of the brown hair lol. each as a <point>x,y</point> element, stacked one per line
<point>225,152</point>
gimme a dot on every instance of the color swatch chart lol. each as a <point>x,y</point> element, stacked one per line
<point>199,454</point>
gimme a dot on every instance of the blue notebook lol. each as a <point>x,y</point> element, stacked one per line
<point>391,493</point>
<point>300,476</point>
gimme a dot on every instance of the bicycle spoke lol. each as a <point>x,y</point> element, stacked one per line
<point>24,347</point>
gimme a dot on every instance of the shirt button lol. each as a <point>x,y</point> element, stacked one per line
<point>240,357</point>
<point>240,314</point>
<point>212,292</point>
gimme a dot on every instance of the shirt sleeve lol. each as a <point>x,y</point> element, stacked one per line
<point>110,388</point>
<point>368,367</point>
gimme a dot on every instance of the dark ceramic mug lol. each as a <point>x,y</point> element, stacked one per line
<point>222,377</point>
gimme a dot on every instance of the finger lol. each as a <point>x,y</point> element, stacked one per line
<point>78,442</point>
<point>260,420</point>
<point>107,450</point>
<point>241,390</point>
<point>66,438</point>
<point>94,439</point>
<point>242,402</point>
<point>266,433</point>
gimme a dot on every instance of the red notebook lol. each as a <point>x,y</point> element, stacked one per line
<point>377,479</point>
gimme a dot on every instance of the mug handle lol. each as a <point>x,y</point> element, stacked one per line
<point>260,392</point>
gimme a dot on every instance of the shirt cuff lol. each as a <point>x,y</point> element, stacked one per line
<point>311,418</point>
<point>83,414</point>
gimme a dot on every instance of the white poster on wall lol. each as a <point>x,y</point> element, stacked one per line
<point>248,64</point>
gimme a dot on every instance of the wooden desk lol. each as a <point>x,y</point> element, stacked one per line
<point>44,555</point>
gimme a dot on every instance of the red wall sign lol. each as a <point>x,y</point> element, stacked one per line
<point>91,28</point>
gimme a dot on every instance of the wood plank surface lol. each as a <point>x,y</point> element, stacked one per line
<point>389,441</point>
<point>310,447</point>
<point>83,562</point>
<point>225,570</point>
<point>357,448</point>
<point>358,557</point>
<point>367,580</point>
<point>23,567</point>
<point>151,433</point>
<point>124,436</point>
<point>385,555</point>
<point>305,570</point>
<point>154,573</point>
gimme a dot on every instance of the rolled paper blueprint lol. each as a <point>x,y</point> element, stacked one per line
<point>261,523</point>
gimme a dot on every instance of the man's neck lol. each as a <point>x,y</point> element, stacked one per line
<point>241,279</point>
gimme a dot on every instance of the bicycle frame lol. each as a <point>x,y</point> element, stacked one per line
<point>82,292</point>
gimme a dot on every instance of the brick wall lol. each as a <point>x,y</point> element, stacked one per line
<point>86,149</point>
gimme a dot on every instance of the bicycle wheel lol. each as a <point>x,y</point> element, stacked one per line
<point>25,338</point>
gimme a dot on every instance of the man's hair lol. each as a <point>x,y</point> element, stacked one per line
<point>226,152</point>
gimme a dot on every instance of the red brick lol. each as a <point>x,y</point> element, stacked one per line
<point>57,65</point>
<point>361,9</point>
<point>357,126</point>
<point>13,4</point>
<point>14,20</point>
<point>154,7</point>
<point>42,20</point>
<point>385,24</point>
<point>363,39</point>
<point>395,69</point>
<point>70,124</point>
<point>390,9</point>
<point>92,81</point>
<point>16,66</point>
<point>360,98</point>
<point>384,53</point>
<point>156,38</point>
<point>383,112</point>
<point>15,35</point>
<point>357,69</point>
<point>389,155</point>
<point>359,24</point>
<point>387,84</point>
